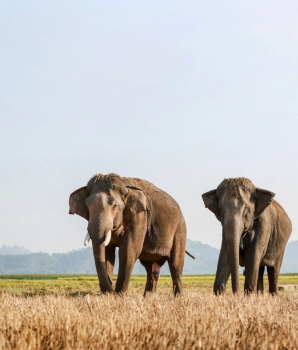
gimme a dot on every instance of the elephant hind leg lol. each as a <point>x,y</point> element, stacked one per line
<point>176,273</point>
<point>273,279</point>
<point>151,284</point>
<point>176,259</point>
<point>260,283</point>
<point>273,272</point>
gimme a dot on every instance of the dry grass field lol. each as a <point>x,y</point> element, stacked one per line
<point>47,312</point>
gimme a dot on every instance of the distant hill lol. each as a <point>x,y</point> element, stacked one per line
<point>290,261</point>
<point>206,258</point>
<point>17,260</point>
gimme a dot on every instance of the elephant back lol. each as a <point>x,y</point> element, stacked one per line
<point>151,191</point>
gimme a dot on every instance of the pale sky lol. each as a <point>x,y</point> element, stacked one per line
<point>181,93</point>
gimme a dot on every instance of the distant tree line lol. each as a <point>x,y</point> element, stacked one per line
<point>81,261</point>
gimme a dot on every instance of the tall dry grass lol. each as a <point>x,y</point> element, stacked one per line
<point>193,321</point>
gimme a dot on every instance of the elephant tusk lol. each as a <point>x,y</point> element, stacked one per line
<point>87,239</point>
<point>108,238</point>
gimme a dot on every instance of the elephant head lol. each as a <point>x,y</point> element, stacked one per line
<point>236,203</point>
<point>109,204</point>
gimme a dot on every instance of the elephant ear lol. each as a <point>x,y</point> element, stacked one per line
<point>135,202</point>
<point>263,199</point>
<point>211,202</point>
<point>77,204</point>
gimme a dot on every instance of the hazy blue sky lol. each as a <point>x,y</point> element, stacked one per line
<point>181,93</point>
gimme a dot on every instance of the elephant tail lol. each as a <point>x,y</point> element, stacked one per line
<point>186,252</point>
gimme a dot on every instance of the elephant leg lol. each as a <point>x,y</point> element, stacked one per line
<point>252,265</point>
<point>273,272</point>
<point>272,278</point>
<point>260,284</point>
<point>176,260</point>
<point>151,284</point>
<point>223,270</point>
<point>100,264</point>
<point>176,274</point>
<point>110,261</point>
<point>130,249</point>
<point>126,264</point>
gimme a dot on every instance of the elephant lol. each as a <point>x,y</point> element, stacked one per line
<point>145,223</point>
<point>255,231</point>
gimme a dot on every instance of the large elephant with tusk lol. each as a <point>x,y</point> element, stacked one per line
<point>139,218</point>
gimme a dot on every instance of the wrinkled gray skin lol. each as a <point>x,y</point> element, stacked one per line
<point>146,224</point>
<point>255,233</point>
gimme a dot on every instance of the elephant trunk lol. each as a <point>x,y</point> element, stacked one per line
<point>233,229</point>
<point>100,232</point>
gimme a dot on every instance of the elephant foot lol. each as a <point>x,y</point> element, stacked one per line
<point>155,272</point>
<point>219,289</point>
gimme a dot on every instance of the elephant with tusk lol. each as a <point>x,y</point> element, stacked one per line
<point>255,231</point>
<point>143,221</point>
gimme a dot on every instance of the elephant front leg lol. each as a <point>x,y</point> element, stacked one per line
<point>252,259</point>
<point>100,264</point>
<point>223,270</point>
<point>130,249</point>
<point>127,259</point>
<point>110,261</point>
